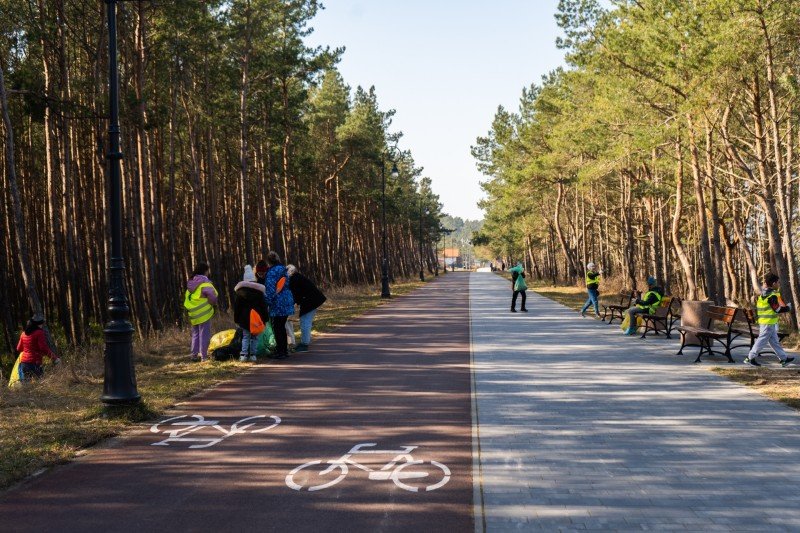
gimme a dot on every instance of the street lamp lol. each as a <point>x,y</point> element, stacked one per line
<point>436,259</point>
<point>119,383</point>
<point>385,293</point>
<point>421,259</point>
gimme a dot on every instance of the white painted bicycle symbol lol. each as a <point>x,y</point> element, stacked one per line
<point>187,428</point>
<point>314,475</point>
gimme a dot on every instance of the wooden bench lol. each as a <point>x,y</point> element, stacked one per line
<point>752,330</point>
<point>664,319</point>
<point>719,328</point>
<point>616,310</point>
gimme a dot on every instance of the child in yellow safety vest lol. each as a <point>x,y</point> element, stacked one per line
<point>199,301</point>
<point>769,305</point>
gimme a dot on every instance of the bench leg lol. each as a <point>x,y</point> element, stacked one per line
<point>683,343</point>
<point>705,346</point>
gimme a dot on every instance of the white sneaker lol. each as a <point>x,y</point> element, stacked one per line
<point>253,359</point>
<point>242,358</point>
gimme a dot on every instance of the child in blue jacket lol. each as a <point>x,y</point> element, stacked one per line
<point>280,301</point>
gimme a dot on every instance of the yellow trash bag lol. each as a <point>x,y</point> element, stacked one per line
<point>14,381</point>
<point>221,339</point>
<point>626,322</point>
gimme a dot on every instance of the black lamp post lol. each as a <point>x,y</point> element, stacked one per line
<point>436,259</point>
<point>385,292</point>
<point>119,384</point>
<point>421,258</point>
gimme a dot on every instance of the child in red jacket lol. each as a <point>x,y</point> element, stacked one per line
<point>33,347</point>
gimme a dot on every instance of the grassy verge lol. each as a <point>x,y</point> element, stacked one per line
<point>782,385</point>
<point>48,422</point>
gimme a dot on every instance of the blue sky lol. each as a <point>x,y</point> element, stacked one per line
<point>444,66</point>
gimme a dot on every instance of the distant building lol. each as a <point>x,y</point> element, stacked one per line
<point>451,256</point>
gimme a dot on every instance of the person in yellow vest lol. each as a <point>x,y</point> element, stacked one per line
<point>769,306</point>
<point>647,304</point>
<point>593,288</point>
<point>199,302</point>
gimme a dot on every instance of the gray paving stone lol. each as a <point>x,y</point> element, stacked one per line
<point>582,428</point>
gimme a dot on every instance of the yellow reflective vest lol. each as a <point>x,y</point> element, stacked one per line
<point>651,309</point>
<point>767,316</point>
<point>200,311</point>
<point>592,283</point>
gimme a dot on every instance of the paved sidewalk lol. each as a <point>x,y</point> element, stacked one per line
<point>582,428</point>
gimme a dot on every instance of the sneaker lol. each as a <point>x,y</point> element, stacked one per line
<point>253,359</point>
<point>751,362</point>
<point>205,358</point>
<point>524,310</point>
<point>786,361</point>
<point>242,358</point>
<point>583,314</point>
<point>631,331</point>
<point>194,358</point>
<point>282,356</point>
<point>301,347</point>
<point>513,310</point>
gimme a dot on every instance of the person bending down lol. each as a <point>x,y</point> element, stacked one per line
<point>518,286</point>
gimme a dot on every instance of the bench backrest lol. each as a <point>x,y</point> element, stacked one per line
<point>626,297</point>
<point>749,316</point>
<point>726,315</point>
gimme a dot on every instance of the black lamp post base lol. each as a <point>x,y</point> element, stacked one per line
<point>421,275</point>
<point>119,385</point>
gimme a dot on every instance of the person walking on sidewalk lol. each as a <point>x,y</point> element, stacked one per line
<point>249,298</point>
<point>769,306</point>
<point>518,286</point>
<point>647,304</point>
<point>593,288</point>
<point>279,298</point>
<point>309,298</point>
<point>199,301</point>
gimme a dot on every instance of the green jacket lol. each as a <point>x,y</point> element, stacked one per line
<point>518,278</point>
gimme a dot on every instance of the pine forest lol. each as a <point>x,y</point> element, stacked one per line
<point>668,146</point>
<point>238,138</point>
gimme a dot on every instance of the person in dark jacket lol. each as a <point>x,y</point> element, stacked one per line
<point>249,297</point>
<point>279,298</point>
<point>647,304</point>
<point>309,298</point>
<point>33,348</point>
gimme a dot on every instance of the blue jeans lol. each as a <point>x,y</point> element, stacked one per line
<point>306,321</point>
<point>29,371</point>
<point>249,343</point>
<point>594,294</point>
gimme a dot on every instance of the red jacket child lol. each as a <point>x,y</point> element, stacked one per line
<point>34,347</point>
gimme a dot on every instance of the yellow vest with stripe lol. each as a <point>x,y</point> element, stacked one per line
<point>200,311</point>
<point>650,308</point>
<point>595,281</point>
<point>767,316</point>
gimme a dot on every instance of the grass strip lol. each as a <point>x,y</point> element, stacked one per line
<point>48,422</point>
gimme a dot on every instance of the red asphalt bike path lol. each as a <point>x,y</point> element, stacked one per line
<point>398,376</point>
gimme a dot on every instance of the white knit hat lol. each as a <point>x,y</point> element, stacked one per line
<point>590,266</point>
<point>249,275</point>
